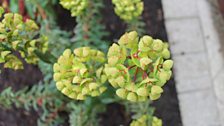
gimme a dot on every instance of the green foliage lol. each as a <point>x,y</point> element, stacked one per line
<point>45,97</point>
<point>137,68</point>
<point>86,114</point>
<point>128,9</point>
<point>41,10</point>
<point>76,6</point>
<point>137,25</point>
<point>80,74</point>
<point>40,96</point>
<point>1,11</point>
<point>19,36</point>
<point>89,30</point>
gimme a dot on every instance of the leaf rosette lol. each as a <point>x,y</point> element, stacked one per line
<point>138,68</point>
<point>80,74</point>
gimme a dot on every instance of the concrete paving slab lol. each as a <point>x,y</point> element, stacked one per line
<point>199,63</point>
<point>185,35</point>
<point>194,84</point>
<point>198,112</point>
<point>190,66</point>
<point>211,37</point>
<point>180,8</point>
<point>219,86</point>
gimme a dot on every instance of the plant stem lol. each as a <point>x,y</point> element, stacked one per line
<point>135,76</point>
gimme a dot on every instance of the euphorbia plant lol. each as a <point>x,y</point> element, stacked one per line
<point>20,36</point>
<point>135,67</point>
<point>80,74</point>
<point>128,9</point>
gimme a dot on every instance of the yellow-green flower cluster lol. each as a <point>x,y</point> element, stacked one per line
<point>80,74</point>
<point>128,9</point>
<point>156,121</point>
<point>138,68</point>
<point>75,6</point>
<point>10,61</point>
<point>145,120</point>
<point>19,36</point>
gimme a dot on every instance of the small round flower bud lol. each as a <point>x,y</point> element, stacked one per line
<point>155,96</point>
<point>95,93</point>
<point>145,43</point>
<point>120,81</point>
<point>168,64</point>
<point>72,95</point>
<point>93,86</point>
<point>121,92</point>
<point>132,97</point>
<point>144,62</point>
<point>156,121</point>
<point>143,91</point>
<point>156,90</point>
<point>157,45</point>
<point>80,97</point>
<point>166,53</point>
<point>59,85</point>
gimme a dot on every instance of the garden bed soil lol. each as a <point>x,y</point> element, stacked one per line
<point>167,107</point>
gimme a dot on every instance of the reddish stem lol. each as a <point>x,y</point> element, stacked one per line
<point>135,76</point>
<point>130,67</point>
<point>21,4</point>
<point>159,67</point>
<point>129,57</point>
<point>144,75</point>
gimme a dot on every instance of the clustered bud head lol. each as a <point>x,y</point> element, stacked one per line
<point>10,61</point>
<point>20,36</point>
<point>75,6</point>
<point>138,68</point>
<point>79,74</point>
<point>128,9</point>
<point>145,119</point>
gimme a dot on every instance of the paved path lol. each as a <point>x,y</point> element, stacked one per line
<point>199,64</point>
